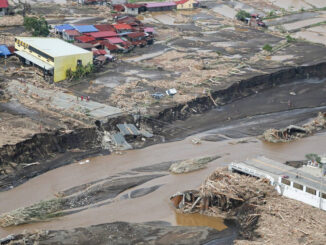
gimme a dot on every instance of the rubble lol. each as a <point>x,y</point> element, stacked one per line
<point>191,165</point>
<point>293,132</point>
<point>262,214</point>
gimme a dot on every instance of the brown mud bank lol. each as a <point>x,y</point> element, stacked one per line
<point>126,233</point>
<point>43,152</point>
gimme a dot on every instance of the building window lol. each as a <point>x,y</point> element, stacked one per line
<point>79,62</point>
<point>286,181</point>
<point>297,186</point>
<point>310,190</point>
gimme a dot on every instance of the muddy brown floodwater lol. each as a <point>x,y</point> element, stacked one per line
<point>154,206</point>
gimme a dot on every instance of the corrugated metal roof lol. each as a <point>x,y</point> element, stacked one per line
<point>85,28</point>
<point>72,32</point>
<point>102,34</point>
<point>114,40</point>
<point>34,60</point>
<point>128,129</point>
<point>104,27</point>
<point>54,47</point>
<point>158,5</point>
<point>122,27</point>
<point>148,29</point>
<point>4,50</point>
<point>85,39</point>
<point>4,4</point>
<point>136,34</point>
<point>60,28</point>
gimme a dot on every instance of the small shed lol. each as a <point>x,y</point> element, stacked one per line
<point>134,9</point>
<point>161,6</point>
<point>69,35</point>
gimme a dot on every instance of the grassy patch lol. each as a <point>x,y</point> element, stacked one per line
<point>268,48</point>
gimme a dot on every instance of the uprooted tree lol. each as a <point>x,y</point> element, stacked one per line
<point>80,72</point>
<point>38,26</point>
<point>242,15</point>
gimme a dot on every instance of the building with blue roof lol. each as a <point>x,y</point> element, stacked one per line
<point>86,28</point>
<point>61,28</point>
<point>4,51</point>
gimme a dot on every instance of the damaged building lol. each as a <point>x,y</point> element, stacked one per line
<point>52,55</point>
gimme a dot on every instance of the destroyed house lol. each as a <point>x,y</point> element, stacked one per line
<point>160,6</point>
<point>3,7</point>
<point>52,55</point>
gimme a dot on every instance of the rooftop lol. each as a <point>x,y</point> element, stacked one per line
<point>63,27</point>
<point>161,4</point>
<point>104,27</point>
<point>122,27</point>
<point>52,46</point>
<point>4,4</point>
<point>85,39</point>
<point>72,32</point>
<point>85,28</point>
<point>102,34</point>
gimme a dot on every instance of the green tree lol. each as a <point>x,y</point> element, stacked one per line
<point>268,48</point>
<point>242,15</point>
<point>313,157</point>
<point>38,26</point>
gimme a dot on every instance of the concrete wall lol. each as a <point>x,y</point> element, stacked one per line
<point>301,195</point>
<point>63,63</point>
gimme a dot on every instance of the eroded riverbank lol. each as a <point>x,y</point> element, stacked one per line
<point>302,87</point>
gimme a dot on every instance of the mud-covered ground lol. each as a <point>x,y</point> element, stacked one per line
<point>196,52</point>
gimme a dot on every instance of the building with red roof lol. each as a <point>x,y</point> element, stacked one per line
<point>134,9</point>
<point>109,46</point>
<point>84,39</point>
<point>69,35</point>
<point>104,27</point>
<point>3,7</point>
<point>102,34</point>
<point>122,27</point>
<point>186,4</point>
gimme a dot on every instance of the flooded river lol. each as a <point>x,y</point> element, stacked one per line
<point>154,206</point>
<point>149,201</point>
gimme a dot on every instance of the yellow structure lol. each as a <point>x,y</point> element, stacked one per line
<point>53,55</point>
<point>186,4</point>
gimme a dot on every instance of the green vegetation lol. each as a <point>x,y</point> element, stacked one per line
<point>81,71</point>
<point>268,48</point>
<point>242,15</point>
<point>290,39</point>
<point>38,26</point>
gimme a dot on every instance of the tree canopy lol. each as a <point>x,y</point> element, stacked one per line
<point>38,26</point>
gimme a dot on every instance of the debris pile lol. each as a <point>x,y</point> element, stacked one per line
<point>262,214</point>
<point>293,132</point>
